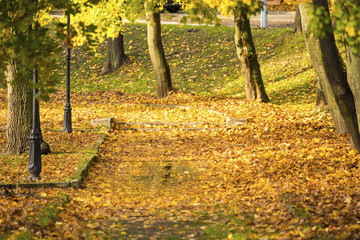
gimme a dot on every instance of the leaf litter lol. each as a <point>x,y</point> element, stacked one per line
<point>285,174</point>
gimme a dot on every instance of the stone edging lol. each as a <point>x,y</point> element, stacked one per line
<point>83,169</point>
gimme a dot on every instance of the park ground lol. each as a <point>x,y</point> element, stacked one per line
<point>173,168</point>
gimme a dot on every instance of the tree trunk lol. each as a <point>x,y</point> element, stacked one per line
<point>316,56</point>
<point>20,107</point>
<point>353,74</point>
<point>320,97</point>
<point>246,52</point>
<point>157,54</point>
<point>297,23</point>
<point>19,113</point>
<point>19,118</point>
<point>116,56</point>
<point>336,74</point>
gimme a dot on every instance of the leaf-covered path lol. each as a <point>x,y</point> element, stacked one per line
<point>149,185</point>
<point>285,174</point>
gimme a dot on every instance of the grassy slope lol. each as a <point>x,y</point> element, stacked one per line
<point>203,61</point>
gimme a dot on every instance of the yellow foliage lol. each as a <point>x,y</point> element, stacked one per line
<point>350,31</point>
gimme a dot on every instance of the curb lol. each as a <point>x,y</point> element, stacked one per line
<point>75,181</point>
<point>78,178</point>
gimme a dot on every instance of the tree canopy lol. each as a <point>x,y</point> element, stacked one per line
<point>27,34</point>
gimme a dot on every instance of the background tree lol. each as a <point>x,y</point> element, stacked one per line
<point>116,56</point>
<point>244,43</point>
<point>156,49</point>
<point>107,17</point>
<point>297,22</point>
<point>246,51</point>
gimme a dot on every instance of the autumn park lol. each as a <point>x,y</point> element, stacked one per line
<point>180,119</point>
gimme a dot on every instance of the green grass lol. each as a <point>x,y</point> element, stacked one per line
<point>233,227</point>
<point>203,61</point>
<point>50,213</point>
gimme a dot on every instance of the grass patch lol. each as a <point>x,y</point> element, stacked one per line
<point>50,213</point>
<point>232,227</point>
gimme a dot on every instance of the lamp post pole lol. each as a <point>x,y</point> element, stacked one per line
<point>34,166</point>
<point>67,110</point>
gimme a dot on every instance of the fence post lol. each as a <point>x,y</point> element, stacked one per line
<point>264,15</point>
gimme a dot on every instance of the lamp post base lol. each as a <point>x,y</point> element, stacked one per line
<point>33,178</point>
<point>67,120</point>
<point>34,166</point>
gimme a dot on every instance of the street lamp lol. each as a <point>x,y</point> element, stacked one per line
<point>34,166</point>
<point>67,109</point>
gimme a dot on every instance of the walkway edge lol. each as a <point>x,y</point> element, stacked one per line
<point>83,168</point>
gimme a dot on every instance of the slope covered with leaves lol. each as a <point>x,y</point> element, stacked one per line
<point>203,61</point>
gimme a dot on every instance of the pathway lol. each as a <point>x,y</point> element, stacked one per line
<point>272,178</point>
<point>150,185</point>
<point>278,19</point>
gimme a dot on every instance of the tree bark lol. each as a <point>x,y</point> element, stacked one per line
<point>116,56</point>
<point>353,74</point>
<point>157,54</point>
<point>320,68</point>
<point>297,22</point>
<point>19,113</point>
<point>320,97</point>
<point>20,106</point>
<point>246,52</point>
<point>19,118</point>
<point>336,74</point>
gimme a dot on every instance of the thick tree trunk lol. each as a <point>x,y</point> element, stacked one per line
<point>20,107</point>
<point>19,114</point>
<point>297,22</point>
<point>246,52</point>
<point>336,75</point>
<point>320,97</point>
<point>316,56</point>
<point>157,54</point>
<point>353,74</point>
<point>19,119</point>
<point>116,56</point>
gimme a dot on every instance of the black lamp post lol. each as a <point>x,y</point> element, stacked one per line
<point>67,109</point>
<point>34,165</point>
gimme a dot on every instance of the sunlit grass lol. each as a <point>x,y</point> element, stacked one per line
<point>203,61</point>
